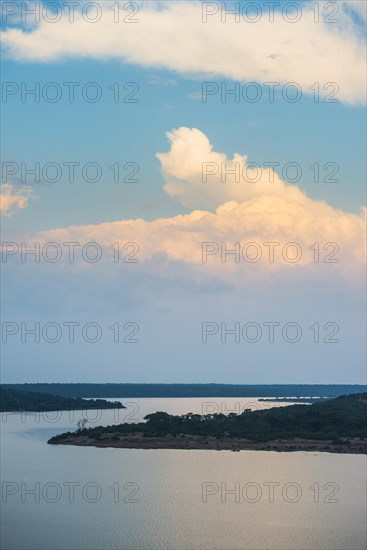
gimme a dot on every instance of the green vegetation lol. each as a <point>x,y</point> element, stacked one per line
<point>191,390</point>
<point>17,401</point>
<point>295,399</point>
<point>333,420</point>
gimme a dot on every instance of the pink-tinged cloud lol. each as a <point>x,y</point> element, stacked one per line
<point>259,213</point>
<point>13,199</point>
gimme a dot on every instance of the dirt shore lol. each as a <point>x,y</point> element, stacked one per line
<point>138,441</point>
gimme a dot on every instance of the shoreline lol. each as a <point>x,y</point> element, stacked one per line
<point>189,442</point>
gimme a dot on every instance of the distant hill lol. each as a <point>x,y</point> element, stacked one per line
<point>191,390</point>
<point>12,400</point>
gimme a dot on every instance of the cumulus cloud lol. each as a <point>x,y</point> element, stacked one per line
<point>13,199</point>
<point>304,52</point>
<point>200,177</point>
<point>258,213</point>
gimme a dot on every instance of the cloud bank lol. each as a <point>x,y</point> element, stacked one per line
<point>262,212</point>
<point>170,292</point>
<point>174,36</point>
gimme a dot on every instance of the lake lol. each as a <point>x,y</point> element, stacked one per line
<point>65,497</point>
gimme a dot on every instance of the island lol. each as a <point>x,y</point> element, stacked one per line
<point>334,425</point>
<point>20,401</point>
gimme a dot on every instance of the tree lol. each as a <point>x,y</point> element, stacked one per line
<point>80,425</point>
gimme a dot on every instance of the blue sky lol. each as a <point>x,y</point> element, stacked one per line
<point>168,56</point>
<point>107,132</point>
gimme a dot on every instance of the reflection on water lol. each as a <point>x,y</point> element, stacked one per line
<point>59,497</point>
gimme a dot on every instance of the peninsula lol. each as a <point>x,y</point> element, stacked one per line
<point>18,401</point>
<point>334,425</point>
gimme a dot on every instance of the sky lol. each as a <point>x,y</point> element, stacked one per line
<point>193,184</point>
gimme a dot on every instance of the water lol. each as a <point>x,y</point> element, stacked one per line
<point>131,499</point>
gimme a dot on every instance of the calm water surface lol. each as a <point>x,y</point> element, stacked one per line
<point>59,497</point>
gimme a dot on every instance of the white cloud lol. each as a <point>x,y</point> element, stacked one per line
<point>203,178</point>
<point>261,212</point>
<point>172,35</point>
<point>12,199</point>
